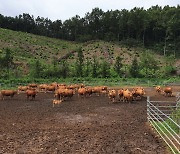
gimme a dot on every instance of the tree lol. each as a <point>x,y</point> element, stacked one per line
<point>169,68</point>
<point>155,27</point>
<point>56,28</point>
<point>95,22</point>
<point>87,69</point>
<point>36,69</point>
<point>64,68</point>
<point>148,63</point>
<point>134,69</point>
<point>118,65</point>
<point>105,69</point>
<point>79,63</point>
<point>95,66</point>
<point>7,61</point>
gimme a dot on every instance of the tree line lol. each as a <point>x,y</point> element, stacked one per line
<point>145,67</point>
<point>157,26</point>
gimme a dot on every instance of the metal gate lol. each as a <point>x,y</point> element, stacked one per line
<point>164,117</point>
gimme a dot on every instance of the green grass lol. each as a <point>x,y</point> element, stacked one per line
<point>112,82</point>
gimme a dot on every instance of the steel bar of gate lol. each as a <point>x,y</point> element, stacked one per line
<point>165,126</point>
<point>161,135</point>
<point>165,115</point>
<point>154,116</point>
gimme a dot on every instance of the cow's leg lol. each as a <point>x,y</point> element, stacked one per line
<point>113,99</point>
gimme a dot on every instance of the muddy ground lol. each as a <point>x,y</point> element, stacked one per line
<point>89,125</point>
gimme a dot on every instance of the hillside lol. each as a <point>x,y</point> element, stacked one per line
<point>26,47</point>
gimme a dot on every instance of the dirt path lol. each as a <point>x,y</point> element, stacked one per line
<point>90,125</point>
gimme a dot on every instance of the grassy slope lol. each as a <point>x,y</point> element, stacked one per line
<point>27,46</point>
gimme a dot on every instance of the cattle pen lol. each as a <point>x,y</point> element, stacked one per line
<point>164,117</point>
<point>92,124</point>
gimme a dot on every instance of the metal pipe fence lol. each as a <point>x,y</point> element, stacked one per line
<point>164,123</point>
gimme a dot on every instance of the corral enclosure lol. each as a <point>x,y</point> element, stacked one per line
<point>78,125</point>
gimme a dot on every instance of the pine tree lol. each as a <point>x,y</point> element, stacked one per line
<point>105,69</point>
<point>94,67</point>
<point>134,69</point>
<point>7,60</point>
<point>80,63</point>
<point>87,69</point>
<point>37,69</point>
<point>64,69</point>
<point>118,65</point>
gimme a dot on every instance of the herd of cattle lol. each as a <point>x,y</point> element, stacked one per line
<point>63,91</point>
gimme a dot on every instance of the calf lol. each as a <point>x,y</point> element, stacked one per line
<point>158,89</point>
<point>56,102</point>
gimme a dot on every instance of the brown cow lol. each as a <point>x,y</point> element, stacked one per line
<point>104,88</point>
<point>112,95</point>
<point>158,89</point>
<point>61,84</point>
<point>62,93</point>
<point>167,91</point>
<point>33,85</point>
<point>55,84</point>
<point>89,91</point>
<point>8,93</point>
<point>138,93</point>
<point>59,93</point>
<point>71,87</point>
<point>68,93</point>
<point>127,95</point>
<point>120,94</point>
<point>81,92</point>
<point>81,85</point>
<point>50,88</point>
<point>61,87</point>
<point>42,87</point>
<point>22,88</point>
<point>97,90</point>
<point>100,90</point>
<point>31,93</point>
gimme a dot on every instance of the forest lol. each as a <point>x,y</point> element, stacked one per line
<point>114,45</point>
<point>157,27</point>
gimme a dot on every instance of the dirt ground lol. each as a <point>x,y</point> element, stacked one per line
<point>78,125</point>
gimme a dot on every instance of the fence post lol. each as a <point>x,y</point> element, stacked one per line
<point>177,108</point>
<point>148,98</point>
